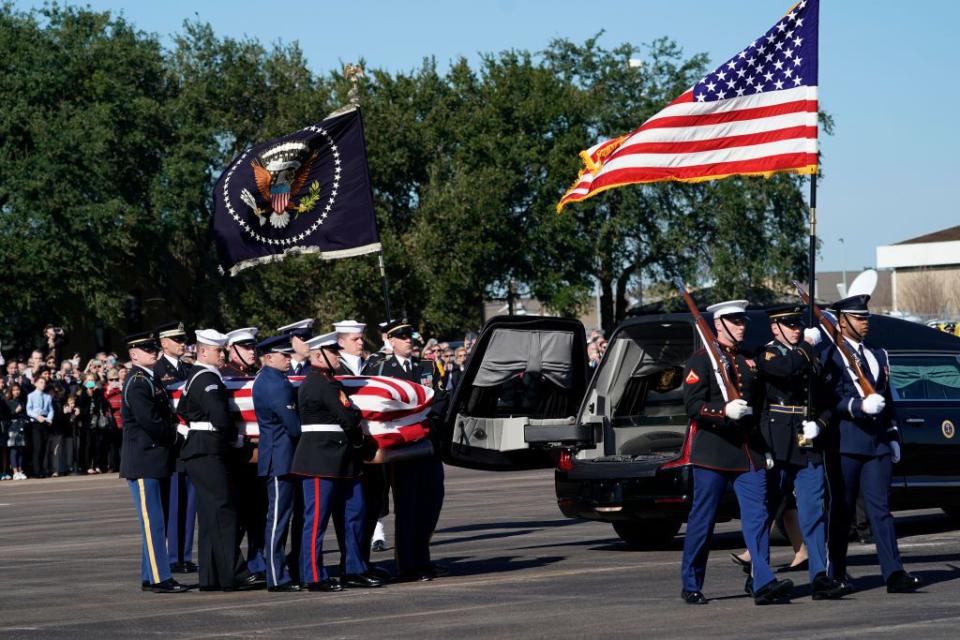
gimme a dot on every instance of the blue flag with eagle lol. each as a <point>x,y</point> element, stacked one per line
<point>306,192</point>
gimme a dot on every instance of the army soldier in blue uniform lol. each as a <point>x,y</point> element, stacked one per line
<point>329,458</point>
<point>864,446</point>
<point>788,366</point>
<point>299,333</point>
<point>147,459</point>
<point>182,511</point>
<point>417,484</point>
<point>275,401</point>
<point>206,454</point>
<point>726,449</point>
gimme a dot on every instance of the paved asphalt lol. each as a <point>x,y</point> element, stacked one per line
<point>69,568</point>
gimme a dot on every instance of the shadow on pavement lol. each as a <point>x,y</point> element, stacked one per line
<point>512,524</point>
<point>469,566</point>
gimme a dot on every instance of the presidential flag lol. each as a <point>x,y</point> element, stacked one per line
<point>393,411</point>
<point>756,114</point>
<point>306,192</point>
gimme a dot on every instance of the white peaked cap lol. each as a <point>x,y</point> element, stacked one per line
<point>349,326</point>
<point>211,337</point>
<point>321,341</point>
<point>728,307</point>
<point>302,324</point>
<point>247,334</point>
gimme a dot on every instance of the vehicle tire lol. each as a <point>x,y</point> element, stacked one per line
<point>647,534</point>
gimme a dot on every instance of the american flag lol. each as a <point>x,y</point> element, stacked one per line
<point>756,114</point>
<point>394,411</point>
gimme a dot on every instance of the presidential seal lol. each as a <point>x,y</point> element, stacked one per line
<point>948,429</point>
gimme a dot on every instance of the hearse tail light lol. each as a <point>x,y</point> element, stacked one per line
<point>565,463</point>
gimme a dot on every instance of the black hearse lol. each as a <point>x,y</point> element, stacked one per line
<point>616,435</point>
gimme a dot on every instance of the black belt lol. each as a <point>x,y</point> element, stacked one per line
<point>788,408</point>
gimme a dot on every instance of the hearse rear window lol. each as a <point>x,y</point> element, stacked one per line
<point>926,377</point>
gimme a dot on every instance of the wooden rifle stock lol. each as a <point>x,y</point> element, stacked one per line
<point>717,357</point>
<point>833,332</point>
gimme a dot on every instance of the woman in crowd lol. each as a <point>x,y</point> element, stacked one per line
<point>113,394</point>
<point>17,429</point>
<point>94,409</point>
<point>74,425</point>
<point>58,428</point>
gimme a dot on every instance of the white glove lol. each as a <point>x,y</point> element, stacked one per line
<point>769,461</point>
<point>873,404</point>
<point>895,448</point>
<point>810,429</point>
<point>812,336</point>
<point>737,409</point>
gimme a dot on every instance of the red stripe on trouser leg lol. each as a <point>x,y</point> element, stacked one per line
<point>316,526</point>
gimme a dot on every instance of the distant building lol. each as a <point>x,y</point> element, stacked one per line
<point>830,284</point>
<point>925,274</point>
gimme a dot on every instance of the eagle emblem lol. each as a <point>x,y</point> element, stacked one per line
<point>281,175</point>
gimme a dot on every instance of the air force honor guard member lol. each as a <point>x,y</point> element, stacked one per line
<point>329,458</point>
<point>865,446</point>
<point>212,431</point>
<point>182,511</point>
<point>147,459</point>
<point>788,366</point>
<point>726,449</point>
<point>299,333</point>
<point>350,339</point>
<point>275,401</point>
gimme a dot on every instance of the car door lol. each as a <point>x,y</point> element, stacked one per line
<point>518,398</point>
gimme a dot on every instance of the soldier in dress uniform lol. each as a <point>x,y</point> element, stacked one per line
<point>299,333</point>
<point>275,401</point>
<point>788,366</point>
<point>252,491</point>
<point>182,508</point>
<point>329,458</point>
<point>241,353</point>
<point>147,459</point>
<point>350,339</point>
<point>206,454</point>
<point>864,446</point>
<point>726,449</point>
<point>417,484</point>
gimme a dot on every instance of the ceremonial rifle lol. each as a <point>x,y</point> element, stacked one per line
<point>717,358</point>
<point>832,329</point>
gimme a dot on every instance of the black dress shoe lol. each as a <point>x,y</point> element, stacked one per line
<point>361,580</point>
<point>167,586</point>
<point>826,588</point>
<point>327,585</point>
<point>250,582</point>
<point>693,597</point>
<point>379,545</point>
<point>289,587</point>
<point>902,582</point>
<point>773,591</point>
<point>746,565</point>
<point>789,568</point>
<point>380,573</point>
<point>183,567</point>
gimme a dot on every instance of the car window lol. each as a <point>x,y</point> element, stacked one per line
<point>926,377</point>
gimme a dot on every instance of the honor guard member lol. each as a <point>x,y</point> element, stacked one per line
<point>788,366</point>
<point>206,454</point>
<point>275,402</point>
<point>417,484</point>
<point>329,457</point>
<point>147,459</point>
<point>252,505</point>
<point>182,510</point>
<point>299,333</point>
<point>726,449</point>
<point>864,447</point>
<point>350,339</point>
<point>241,353</point>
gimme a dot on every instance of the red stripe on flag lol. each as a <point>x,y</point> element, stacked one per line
<point>739,115</point>
<point>656,174</point>
<point>720,143</point>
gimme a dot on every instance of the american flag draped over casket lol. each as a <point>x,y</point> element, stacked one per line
<point>394,411</point>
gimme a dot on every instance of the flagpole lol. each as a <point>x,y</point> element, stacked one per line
<point>353,73</point>
<point>812,257</point>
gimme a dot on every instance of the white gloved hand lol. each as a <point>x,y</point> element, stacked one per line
<point>873,404</point>
<point>812,336</point>
<point>737,409</point>
<point>769,461</point>
<point>895,448</point>
<point>810,429</point>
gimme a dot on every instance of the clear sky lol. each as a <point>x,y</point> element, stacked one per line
<point>887,75</point>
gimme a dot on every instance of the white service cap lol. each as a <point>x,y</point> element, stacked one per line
<point>247,334</point>
<point>727,308</point>
<point>306,323</point>
<point>349,326</point>
<point>211,337</point>
<point>324,341</point>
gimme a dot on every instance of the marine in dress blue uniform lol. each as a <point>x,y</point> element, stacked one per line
<point>726,449</point>
<point>147,459</point>
<point>417,484</point>
<point>182,508</point>
<point>788,366</point>
<point>275,402</point>
<point>329,457</point>
<point>864,446</point>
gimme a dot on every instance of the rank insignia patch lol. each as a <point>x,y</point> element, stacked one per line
<point>692,377</point>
